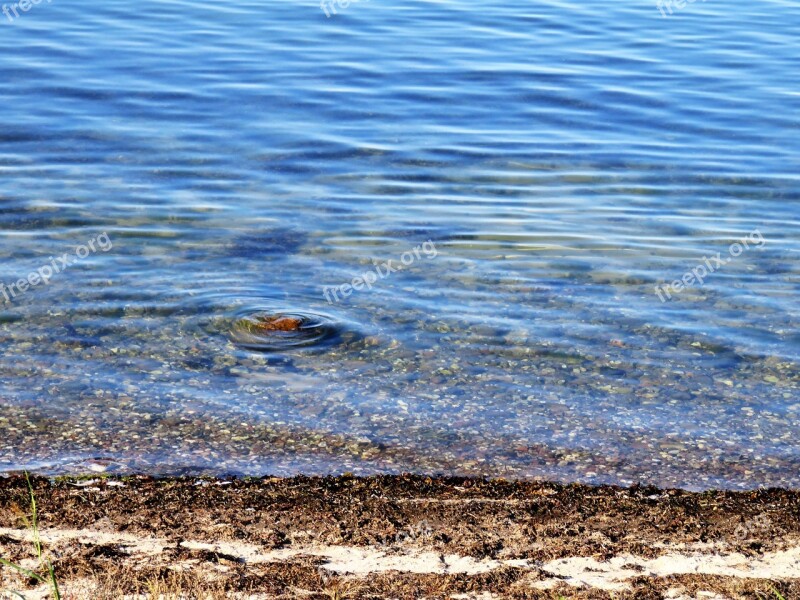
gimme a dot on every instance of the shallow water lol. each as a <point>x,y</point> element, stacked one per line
<point>560,160</point>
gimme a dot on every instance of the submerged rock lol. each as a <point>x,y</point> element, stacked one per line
<point>279,324</point>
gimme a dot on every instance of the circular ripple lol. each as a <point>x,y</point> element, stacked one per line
<point>269,330</point>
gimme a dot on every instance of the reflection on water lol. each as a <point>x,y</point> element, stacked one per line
<point>565,159</point>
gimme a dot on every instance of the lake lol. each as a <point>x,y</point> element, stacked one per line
<point>553,240</point>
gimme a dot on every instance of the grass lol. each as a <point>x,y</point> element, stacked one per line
<point>767,595</point>
<point>47,574</point>
<point>341,591</point>
<point>113,584</point>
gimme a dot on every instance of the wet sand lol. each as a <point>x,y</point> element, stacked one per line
<point>403,537</point>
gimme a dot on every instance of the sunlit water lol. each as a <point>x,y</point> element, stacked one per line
<point>539,167</point>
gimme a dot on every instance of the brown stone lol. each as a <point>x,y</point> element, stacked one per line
<point>279,324</point>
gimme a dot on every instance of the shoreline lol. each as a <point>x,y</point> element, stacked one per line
<point>403,536</point>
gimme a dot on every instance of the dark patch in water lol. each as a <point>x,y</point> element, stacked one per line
<point>77,339</point>
<point>25,219</point>
<point>280,241</point>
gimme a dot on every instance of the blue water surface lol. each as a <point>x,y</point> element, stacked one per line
<point>516,181</point>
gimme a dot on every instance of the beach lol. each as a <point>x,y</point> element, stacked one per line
<point>404,537</point>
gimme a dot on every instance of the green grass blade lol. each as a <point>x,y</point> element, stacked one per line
<point>53,581</point>
<point>37,543</point>
<point>778,594</point>
<point>23,570</point>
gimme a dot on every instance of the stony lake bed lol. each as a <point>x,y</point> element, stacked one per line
<point>502,300</point>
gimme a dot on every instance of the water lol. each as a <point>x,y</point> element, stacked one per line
<point>550,162</point>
